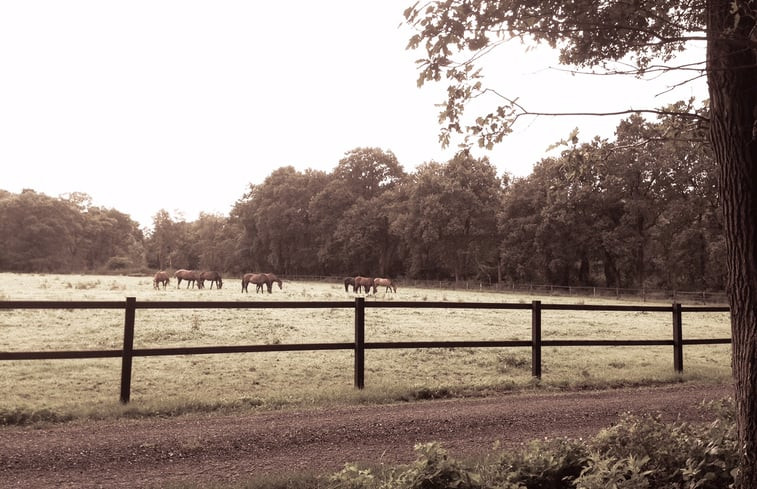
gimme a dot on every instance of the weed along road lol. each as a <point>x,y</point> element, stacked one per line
<point>154,451</point>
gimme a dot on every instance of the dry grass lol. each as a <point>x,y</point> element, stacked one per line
<point>296,378</point>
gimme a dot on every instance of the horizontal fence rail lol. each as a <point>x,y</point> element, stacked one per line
<point>359,345</point>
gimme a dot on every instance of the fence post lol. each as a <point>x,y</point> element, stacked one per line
<point>677,338</point>
<point>536,339</point>
<point>359,342</point>
<point>126,354</point>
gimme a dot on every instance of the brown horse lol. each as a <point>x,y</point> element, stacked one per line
<point>347,282</point>
<point>384,282</point>
<point>214,277</point>
<point>364,282</point>
<point>191,276</point>
<point>160,278</point>
<point>259,279</point>
<point>272,278</point>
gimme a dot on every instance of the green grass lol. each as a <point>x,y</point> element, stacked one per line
<point>36,390</point>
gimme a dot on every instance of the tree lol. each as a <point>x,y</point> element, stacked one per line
<point>644,207</point>
<point>277,222</point>
<point>162,241</point>
<point>369,171</point>
<point>592,33</point>
<point>350,216</point>
<point>450,228</point>
<point>212,238</point>
<point>38,233</point>
<point>110,239</point>
<point>65,234</point>
<point>327,209</point>
<point>548,221</point>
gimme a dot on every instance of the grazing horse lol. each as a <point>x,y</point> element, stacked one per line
<point>347,282</point>
<point>364,282</point>
<point>271,279</point>
<point>259,279</point>
<point>190,276</point>
<point>214,277</point>
<point>384,282</point>
<point>160,278</point>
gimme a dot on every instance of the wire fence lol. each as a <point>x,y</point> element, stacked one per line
<point>616,293</point>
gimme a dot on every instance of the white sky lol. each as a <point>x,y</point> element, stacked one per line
<point>180,104</point>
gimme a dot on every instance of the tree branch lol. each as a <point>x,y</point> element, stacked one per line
<point>525,112</point>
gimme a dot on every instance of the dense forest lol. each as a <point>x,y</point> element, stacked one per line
<point>639,211</point>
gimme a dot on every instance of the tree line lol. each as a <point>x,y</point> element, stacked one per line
<point>638,211</point>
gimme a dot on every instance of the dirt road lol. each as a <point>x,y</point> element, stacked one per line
<point>146,453</point>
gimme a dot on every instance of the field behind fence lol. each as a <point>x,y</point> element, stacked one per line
<point>274,378</point>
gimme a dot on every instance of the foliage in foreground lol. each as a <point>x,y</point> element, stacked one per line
<point>639,452</point>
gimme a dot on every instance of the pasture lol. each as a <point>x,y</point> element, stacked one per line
<point>317,378</point>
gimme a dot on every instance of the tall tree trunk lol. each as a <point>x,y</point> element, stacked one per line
<point>732,78</point>
<point>584,270</point>
<point>611,270</point>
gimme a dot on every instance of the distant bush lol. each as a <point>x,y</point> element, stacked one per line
<point>119,263</point>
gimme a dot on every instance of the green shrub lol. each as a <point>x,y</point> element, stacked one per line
<point>624,473</point>
<point>352,477</point>
<point>433,469</point>
<point>675,455</point>
<point>639,452</point>
<point>118,263</point>
<point>544,464</point>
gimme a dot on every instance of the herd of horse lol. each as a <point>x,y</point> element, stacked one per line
<point>263,281</point>
<point>260,280</point>
<point>367,283</point>
<point>190,277</point>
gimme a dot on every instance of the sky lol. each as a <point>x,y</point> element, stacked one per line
<point>180,105</point>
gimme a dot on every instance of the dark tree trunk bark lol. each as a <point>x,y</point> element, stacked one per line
<point>584,271</point>
<point>611,271</point>
<point>732,78</point>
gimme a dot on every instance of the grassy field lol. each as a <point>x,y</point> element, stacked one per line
<point>165,384</point>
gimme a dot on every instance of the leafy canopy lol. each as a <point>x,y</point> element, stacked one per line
<point>614,37</point>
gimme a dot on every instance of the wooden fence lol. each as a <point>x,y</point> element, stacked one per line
<point>359,345</point>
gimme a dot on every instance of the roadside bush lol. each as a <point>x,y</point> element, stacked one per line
<point>673,455</point>
<point>639,452</point>
<point>433,469</point>
<point>543,464</point>
<point>624,473</point>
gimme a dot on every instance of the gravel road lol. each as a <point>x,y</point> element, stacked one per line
<point>151,452</point>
